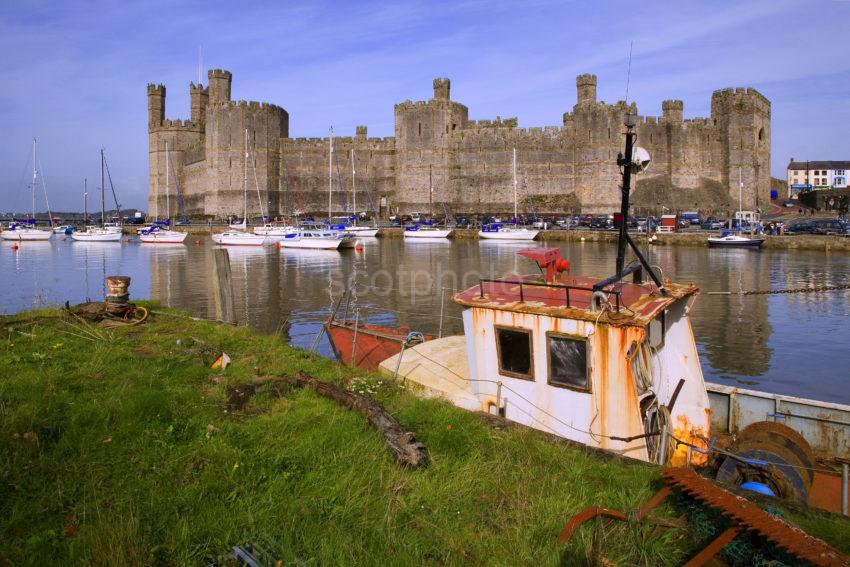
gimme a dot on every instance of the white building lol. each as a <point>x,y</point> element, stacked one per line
<point>805,175</point>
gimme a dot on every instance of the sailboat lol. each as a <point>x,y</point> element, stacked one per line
<point>100,233</point>
<point>322,237</point>
<point>240,237</point>
<point>353,227</point>
<point>498,231</point>
<point>729,239</point>
<point>25,229</point>
<point>273,232</point>
<point>157,233</point>
<point>422,230</point>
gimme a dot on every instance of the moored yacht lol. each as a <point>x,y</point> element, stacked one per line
<point>26,229</point>
<point>320,238</point>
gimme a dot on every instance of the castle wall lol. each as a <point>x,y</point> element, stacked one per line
<point>440,156</point>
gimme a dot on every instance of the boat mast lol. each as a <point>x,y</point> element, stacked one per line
<point>85,201</point>
<point>431,193</point>
<point>34,180</point>
<point>245,185</point>
<point>330,171</point>
<point>353,188</point>
<point>516,219</point>
<point>167,192</point>
<point>102,193</point>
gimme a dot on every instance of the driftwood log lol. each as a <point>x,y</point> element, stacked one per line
<point>402,444</point>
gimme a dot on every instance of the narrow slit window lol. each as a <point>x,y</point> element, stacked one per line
<point>568,362</point>
<point>420,128</point>
<point>514,349</point>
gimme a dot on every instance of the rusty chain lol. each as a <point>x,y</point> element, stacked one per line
<point>817,289</point>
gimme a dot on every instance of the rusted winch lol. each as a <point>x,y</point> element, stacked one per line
<point>117,299</point>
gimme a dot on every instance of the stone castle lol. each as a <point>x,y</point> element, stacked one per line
<point>440,156</point>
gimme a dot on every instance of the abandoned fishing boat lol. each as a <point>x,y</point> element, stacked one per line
<point>614,365</point>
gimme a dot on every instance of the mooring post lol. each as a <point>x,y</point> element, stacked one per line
<point>222,286</point>
<point>398,362</point>
<point>845,487</point>
<point>442,305</point>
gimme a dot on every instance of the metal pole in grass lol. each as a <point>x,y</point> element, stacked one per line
<point>354,340</point>
<point>442,305</point>
<point>398,362</point>
<point>845,487</point>
<point>315,342</point>
<point>498,398</point>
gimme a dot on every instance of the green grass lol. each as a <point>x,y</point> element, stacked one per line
<point>119,451</point>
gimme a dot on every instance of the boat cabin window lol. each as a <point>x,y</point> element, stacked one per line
<point>657,330</point>
<point>514,351</point>
<point>567,361</point>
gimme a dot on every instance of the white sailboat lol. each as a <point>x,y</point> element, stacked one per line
<point>367,231</point>
<point>240,237</point>
<point>420,230</point>
<point>729,239</point>
<point>26,230</point>
<point>272,232</point>
<point>157,234</point>
<point>498,231</point>
<point>101,233</point>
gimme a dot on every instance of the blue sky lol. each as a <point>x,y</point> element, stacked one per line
<point>74,73</point>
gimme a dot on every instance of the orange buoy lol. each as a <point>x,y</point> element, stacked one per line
<point>359,248</point>
<point>277,245</point>
<point>197,242</point>
<point>14,246</point>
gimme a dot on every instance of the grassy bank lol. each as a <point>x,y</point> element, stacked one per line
<point>122,447</point>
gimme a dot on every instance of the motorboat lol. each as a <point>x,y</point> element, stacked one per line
<point>320,238</point>
<point>238,238</point>
<point>426,231</point>
<point>156,234</point>
<point>275,232</point>
<point>496,231</point>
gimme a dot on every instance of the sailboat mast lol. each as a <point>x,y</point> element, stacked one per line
<point>245,184</point>
<point>330,171</point>
<point>167,192</point>
<point>430,193</point>
<point>85,201</point>
<point>516,218</point>
<point>102,193</point>
<point>34,176</point>
<point>353,188</point>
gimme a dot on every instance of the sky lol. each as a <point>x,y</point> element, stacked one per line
<point>75,73</point>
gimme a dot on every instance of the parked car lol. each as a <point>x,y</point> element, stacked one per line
<point>601,222</point>
<point>692,218</point>
<point>712,223</point>
<point>830,226</point>
<point>800,227</point>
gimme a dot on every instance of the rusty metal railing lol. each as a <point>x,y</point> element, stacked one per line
<point>566,288</point>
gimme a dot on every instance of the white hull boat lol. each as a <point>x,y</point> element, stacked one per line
<point>735,241</point>
<point>237,238</point>
<point>367,231</point>
<point>22,234</point>
<point>160,236</point>
<point>63,229</point>
<point>275,233</point>
<point>319,239</point>
<point>508,233</point>
<point>96,235</point>
<point>422,232</point>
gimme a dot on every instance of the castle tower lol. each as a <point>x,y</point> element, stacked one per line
<point>672,111</point>
<point>156,104</point>
<point>442,89</point>
<point>586,87</point>
<point>741,118</point>
<point>219,85</point>
<point>199,96</point>
<point>424,131</point>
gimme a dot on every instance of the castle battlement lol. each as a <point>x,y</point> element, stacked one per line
<point>569,166</point>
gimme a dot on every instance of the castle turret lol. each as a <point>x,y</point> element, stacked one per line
<point>672,111</point>
<point>199,97</point>
<point>586,87</point>
<point>219,85</point>
<point>362,133</point>
<point>156,104</point>
<point>442,89</point>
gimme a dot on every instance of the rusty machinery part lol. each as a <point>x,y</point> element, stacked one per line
<point>782,440</point>
<point>767,468</point>
<point>745,515</point>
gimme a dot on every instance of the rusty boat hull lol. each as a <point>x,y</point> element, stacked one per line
<point>369,345</point>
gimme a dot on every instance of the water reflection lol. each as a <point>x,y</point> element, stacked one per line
<point>787,343</point>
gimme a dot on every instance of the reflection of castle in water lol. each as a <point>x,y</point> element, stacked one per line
<point>734,330</point>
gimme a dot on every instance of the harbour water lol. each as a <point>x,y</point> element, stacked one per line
<point>794,344</point>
